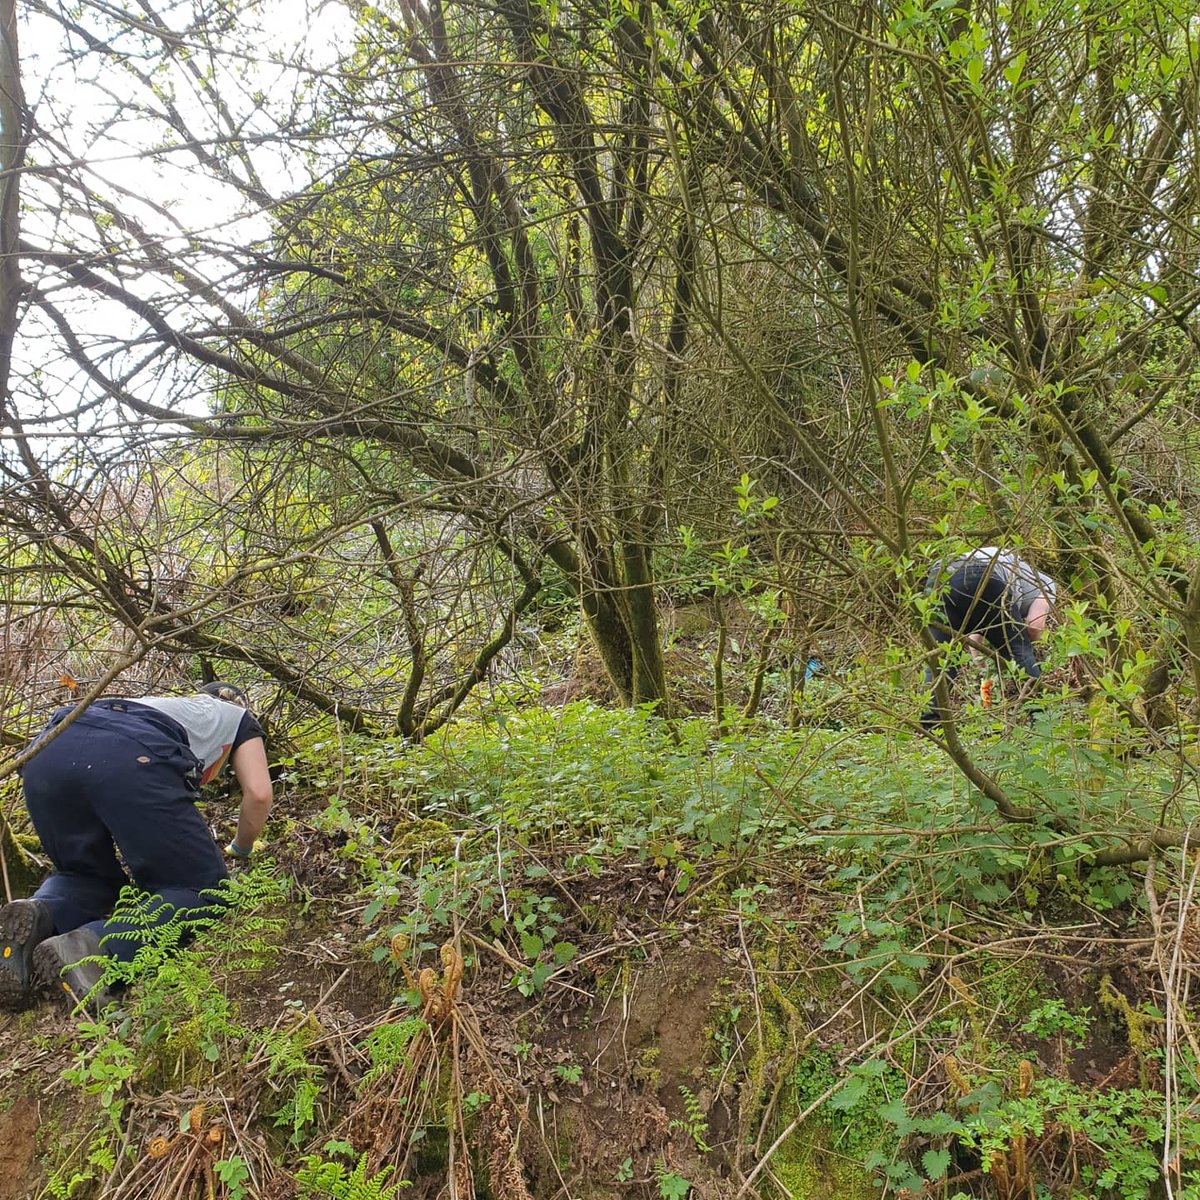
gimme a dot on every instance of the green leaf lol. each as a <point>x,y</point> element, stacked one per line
<point>850,1096</point>
<point>873,1068</point>
<point>673,1187</point>
<point>902,1176</point>
<point>935,1163</point>
<point>975,69</point>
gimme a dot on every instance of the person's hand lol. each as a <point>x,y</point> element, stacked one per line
<point>235,851</point>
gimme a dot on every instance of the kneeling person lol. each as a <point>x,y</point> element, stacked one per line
<point>125,776</point>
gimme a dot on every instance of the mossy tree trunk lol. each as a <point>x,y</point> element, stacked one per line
<point>21,871</point>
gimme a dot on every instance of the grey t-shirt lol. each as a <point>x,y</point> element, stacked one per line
<point>1023,583</point>
<point>214,728</point>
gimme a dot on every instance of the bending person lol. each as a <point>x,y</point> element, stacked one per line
<point>124,777</point>
<point>994,599</point>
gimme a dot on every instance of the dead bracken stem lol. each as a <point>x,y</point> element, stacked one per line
<point>1176,952</point>
<point>445,1060</point>
<point>178,1167</point>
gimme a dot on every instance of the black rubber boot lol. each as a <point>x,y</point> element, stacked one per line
<point>71,966</point>
<point>24,924</point>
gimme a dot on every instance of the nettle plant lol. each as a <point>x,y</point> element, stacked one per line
<point>447,895</point>
<point>999,1123</point>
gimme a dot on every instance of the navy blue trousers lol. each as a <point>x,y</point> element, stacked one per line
<point>122,778</point>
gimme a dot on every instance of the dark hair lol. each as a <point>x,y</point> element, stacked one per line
<point>227,691</point>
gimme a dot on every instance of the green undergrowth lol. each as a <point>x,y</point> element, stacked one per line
<point>995,1119</point>
<point>963,1094</point>
<point>626,779</point>
<point>451,829</point>
<point>910,1007</point>
<point>171,1023</point>
<point>173,1048</point>
<point>910,875</point>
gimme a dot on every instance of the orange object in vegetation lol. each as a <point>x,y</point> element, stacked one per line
<point>985,692</point>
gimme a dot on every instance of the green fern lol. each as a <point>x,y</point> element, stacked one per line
<point>331,1181</point>
<point>179,1000</point>
<point>696,1123</point>
<point>234,906</point>
<point>299,1110</point>
<point>249,938</point>
<point>387,1045</point>
<point>290,1071</point>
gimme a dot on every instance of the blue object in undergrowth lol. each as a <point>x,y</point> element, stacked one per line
<point>814,667</point>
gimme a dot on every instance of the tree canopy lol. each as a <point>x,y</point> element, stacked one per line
<point>348,347</point>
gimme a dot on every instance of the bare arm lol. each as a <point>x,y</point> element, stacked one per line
<point>250,767</point>
<point>1035,621</point>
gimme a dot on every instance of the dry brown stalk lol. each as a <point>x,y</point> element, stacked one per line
<point>495,1137</point>
<point>392,1107</point>
<point>178,1167</point>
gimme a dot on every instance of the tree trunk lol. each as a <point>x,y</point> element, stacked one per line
<point>12,157</point>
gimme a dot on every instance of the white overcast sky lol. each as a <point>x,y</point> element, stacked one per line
<point>85,109</point>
